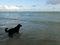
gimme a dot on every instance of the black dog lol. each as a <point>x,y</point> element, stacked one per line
<point>13,30</point>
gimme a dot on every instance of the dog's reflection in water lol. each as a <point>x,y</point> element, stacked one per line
<point>16,36</point>
<point>15,40</point>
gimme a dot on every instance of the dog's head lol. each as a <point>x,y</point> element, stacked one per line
<point>19,25</point>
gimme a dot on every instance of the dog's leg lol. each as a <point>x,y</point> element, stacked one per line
<point>10,35</point>
<point>17,32</point>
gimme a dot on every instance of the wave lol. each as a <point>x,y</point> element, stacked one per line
<point>8,18</point>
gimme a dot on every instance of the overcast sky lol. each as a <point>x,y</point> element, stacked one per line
<point>32,5</point>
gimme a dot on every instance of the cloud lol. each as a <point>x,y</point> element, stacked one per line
<point>53,2</point>
<point>17,8</point>
<point>33,8</point>
<point>9,8</point>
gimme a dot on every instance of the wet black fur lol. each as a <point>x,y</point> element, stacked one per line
<point>13,30</point>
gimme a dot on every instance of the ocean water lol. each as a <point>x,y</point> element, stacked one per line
<point>38,28</point>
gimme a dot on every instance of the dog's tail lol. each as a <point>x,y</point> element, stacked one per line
<point>6,29</point>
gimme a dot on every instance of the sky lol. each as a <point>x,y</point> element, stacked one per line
<point>30,5</point>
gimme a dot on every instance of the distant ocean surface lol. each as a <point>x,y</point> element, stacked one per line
<point>38,28</point>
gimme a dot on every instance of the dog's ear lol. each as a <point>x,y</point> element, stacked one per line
<point>20,25</point>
